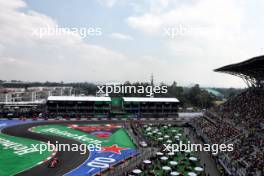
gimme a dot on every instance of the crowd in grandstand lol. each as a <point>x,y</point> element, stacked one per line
<point>216,132</point>
<point>245,109</point>
<point>247,152</point>
<point>239,121</point>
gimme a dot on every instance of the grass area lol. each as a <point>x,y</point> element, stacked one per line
<point>17,154</point>
<point>119,136</point>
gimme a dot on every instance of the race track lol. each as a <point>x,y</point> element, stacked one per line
<point>68,159</point>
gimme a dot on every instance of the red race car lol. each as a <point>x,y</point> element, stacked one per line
<point>53,162</point>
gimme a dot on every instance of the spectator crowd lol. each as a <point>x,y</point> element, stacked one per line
<point>245,110</point>
<point>239,121</point>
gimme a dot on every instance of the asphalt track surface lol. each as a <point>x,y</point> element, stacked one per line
<point>68,160</point>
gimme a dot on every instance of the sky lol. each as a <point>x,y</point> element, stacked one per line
<point>176,40</point>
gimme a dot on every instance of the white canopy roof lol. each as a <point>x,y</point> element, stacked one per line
<point>146,99</point>
<point>74,98</point>
<point>23,102</point>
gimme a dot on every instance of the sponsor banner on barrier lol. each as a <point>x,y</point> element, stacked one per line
<point>7,123</point>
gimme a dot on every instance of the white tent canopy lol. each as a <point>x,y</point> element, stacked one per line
<point>146,99</point>
<point>80,98</point>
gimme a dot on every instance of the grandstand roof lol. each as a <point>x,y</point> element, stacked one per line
<point>251,70</point>
<point>146,99</point>
<point>23,102</point>
<point>214,92</point>
<point>74,98</point>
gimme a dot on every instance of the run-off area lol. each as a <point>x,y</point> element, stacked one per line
<point>17,154</point>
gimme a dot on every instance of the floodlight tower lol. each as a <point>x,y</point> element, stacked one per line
<point>152,79</point>
<point>152,83</point>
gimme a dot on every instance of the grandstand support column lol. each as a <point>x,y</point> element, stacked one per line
<point>251,82</point>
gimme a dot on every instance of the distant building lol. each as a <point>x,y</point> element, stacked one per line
<point>32,94</point>
<point>214,92</point>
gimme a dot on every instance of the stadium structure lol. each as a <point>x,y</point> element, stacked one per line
<point>92,106</point>
<point>251,71</point>
<point>239,121</point>
<point>112,107</point>
<point>135,146</point>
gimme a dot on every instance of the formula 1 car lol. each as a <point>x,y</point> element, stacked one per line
<point>53,162</point>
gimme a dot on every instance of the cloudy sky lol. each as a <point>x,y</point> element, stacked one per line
<point>173,39</point>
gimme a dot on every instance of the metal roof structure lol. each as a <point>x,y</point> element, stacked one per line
<point>251,71</point>
<point>146,99</point>
<point>23,103</point>
<point>80,98</point>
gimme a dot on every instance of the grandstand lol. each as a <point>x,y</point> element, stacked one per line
<point>22,108</point>
<point>251,71</point>
<point>151,106</point>
<point>116,106</point>
<point>246,109</point>
<point>78,105</point>
<point>239,121</point>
